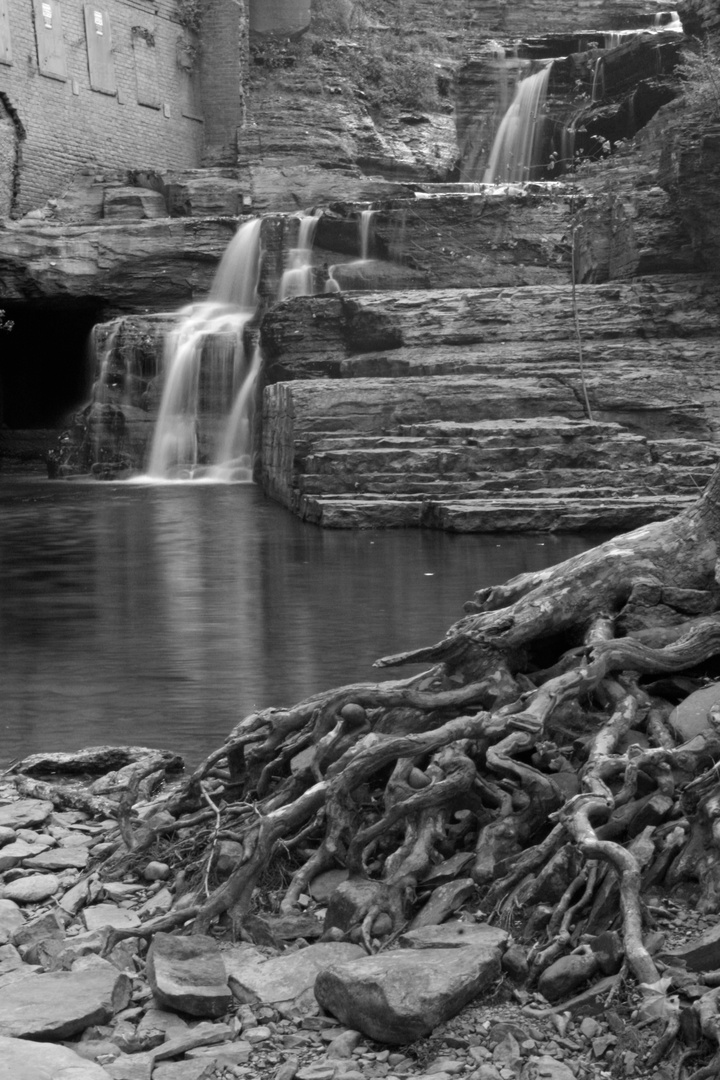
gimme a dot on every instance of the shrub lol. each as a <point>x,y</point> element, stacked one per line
<point>700,71</point>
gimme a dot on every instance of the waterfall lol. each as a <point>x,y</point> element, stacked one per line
<point>297,279</point>
<point>206,368</point>
<point>515,151</point>
<point>366,217</point>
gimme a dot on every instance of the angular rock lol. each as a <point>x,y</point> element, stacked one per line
<point>546,1068</point>
<point>691,716</point>
<point>16,853</point>
<point>285,978</point>
<point>401,996</point>
<point>443,901</point>
<point>28,936</point>
<point>61,1004</point>
<point>204,1034</point>
<point>187,974</point>
<point>11,919</point>
<point>25,1059</point>
<point>25,813</point>
<point>324,885</point>
<point>130,1067</point>
<point>31,890</point>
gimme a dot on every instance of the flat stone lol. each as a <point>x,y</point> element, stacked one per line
<point>401,996</point>
<point>204,1034</point>
<point>287,977</point>
<point>187,974</point>
<point>234,1053</point>
<point>74,857</point>
<point>183,1070</point>
<point>455,935</point>
<point>25,1059</point>
<point>130,1067</point>
<point>62,1003</point>
<point>32,890</point>
<point>7,835</point>
<point>25,813</point>
<point>98,915</point>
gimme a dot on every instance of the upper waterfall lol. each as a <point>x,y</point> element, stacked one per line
<point>515,151</point>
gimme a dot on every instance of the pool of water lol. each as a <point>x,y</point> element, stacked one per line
<point>161,615</point>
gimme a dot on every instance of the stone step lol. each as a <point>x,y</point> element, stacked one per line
<point>550,514</point>
<point>686,452</point>
<point>623,453</point>
<point>570,483</point>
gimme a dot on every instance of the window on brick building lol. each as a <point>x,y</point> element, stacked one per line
<point>49,39</point>
<point>146,68</point>
<point>5,46</point>
<point>99,49</point>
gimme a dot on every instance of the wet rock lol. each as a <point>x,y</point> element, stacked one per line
<point>567,975</point>
<point>61,1004</point>
<point>25,1059</point>
<point>25,813</point>
<point>287,978</point>
<point>401,996</point>
<point>32,889</point>
<point>187,974</point>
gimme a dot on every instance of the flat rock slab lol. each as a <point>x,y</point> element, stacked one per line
<point>74,857</point>
<point>25,813</point>
<point>455,936</point>
<point>62,1003</point>
<point>398,997</point>
<point>284,978</point>
<point>187,974</point>
<point>24,1059</point>
<point>98,915</point>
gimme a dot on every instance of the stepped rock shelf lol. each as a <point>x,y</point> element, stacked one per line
<point>464,410</point>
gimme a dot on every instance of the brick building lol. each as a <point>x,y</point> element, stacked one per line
<point>113,84</point>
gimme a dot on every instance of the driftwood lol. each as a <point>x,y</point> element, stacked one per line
<point>531,746</point>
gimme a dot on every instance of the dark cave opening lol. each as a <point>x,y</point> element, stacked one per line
<point>45,361</point>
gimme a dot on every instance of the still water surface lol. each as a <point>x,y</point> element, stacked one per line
<point>161,615</point>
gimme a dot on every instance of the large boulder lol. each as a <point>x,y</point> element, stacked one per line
<point>398,997</point>
<point>24,1059</point>
<point>284,979</point>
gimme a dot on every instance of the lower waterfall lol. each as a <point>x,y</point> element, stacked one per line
<point>203,428</point>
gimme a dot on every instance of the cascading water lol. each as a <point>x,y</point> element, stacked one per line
<point>297,279</point>
<point>353,271</point>
<point>515,151</point>
<point>205,368</point>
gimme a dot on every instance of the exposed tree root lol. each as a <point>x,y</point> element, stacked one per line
<point>535,758</point>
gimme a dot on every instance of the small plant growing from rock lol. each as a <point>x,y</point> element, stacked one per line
<point>700,71</point>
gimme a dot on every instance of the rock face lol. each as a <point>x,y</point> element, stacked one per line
<point>63,1003</point>
<point>402,997</point>
<point>464,409</point>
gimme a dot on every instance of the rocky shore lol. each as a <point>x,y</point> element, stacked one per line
<point>84,994</point>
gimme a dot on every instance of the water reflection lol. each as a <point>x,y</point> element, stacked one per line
<point>161,615</point>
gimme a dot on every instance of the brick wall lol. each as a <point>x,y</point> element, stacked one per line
<point>225,25</point>
<point>77,92</point>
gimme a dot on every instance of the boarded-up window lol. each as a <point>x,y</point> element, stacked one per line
<point>5,48</point>
<point>49,38</point>
<point>146,69</point>
<point>99,47</point>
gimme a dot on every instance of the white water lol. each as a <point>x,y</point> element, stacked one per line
<point>297,279</point>
<point>208,376</point>
<point>356,266</point>
<point>515,150</point>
